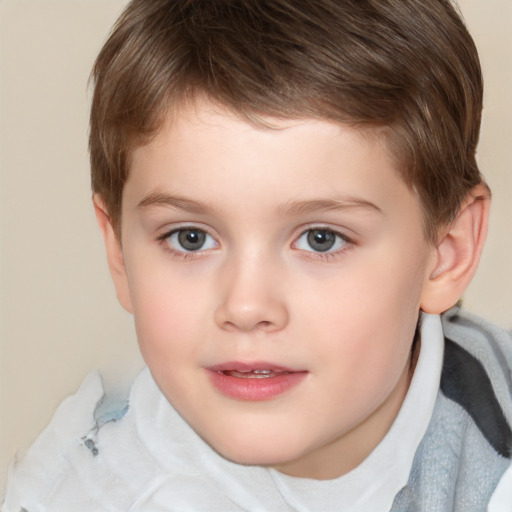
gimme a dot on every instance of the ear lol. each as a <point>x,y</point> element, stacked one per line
<point>114,254</point>
<point>457,254</point>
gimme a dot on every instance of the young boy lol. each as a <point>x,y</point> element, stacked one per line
<point>289,199</point>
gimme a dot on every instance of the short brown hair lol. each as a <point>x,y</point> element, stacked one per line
<point>408,65</point>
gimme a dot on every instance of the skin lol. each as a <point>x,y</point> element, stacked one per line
<point>258,291</point>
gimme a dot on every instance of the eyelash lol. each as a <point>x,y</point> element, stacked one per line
<point>318,255</point>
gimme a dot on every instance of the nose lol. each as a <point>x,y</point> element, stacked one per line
<point>251,298</point>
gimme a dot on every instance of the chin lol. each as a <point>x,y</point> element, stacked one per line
<point>249,453</point>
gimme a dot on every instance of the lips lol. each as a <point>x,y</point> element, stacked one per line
<point>254,381</point>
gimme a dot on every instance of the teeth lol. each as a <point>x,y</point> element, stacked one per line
<point>252,374</point>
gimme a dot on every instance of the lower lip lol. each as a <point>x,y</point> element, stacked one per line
<point>255,389</point>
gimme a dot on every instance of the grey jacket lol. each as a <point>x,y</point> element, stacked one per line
<point>468,444</point>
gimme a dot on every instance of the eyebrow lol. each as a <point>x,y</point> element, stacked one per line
<point>182,203</point>
<point>289,208</point>
<point>313,205</point>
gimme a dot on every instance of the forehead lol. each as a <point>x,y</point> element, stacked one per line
<point>212,154</point>
<point>196,112</point>
<point>204,124</point>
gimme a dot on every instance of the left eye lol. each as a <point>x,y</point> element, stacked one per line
<point>190,240</point>
<point>320,240</point>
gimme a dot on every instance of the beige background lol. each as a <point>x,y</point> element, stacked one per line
<point>58,313</point>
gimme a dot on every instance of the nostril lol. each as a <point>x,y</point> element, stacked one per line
<point>263,325</point>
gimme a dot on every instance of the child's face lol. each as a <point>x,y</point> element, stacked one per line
<point>297,252</point>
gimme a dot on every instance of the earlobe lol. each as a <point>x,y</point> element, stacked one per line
<point>457,254</point>
<point>114,254</point>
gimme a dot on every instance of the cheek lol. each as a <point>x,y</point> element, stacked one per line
<point>167,315</point>
<point>368,316</point>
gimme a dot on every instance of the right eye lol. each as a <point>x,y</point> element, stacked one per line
<point>190,240</point>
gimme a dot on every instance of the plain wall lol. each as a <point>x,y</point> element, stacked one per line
<point>58,313</point>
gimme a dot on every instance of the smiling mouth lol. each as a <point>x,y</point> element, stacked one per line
<point>254,382</point>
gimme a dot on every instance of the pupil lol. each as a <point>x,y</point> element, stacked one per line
<point>321,240</point>
<point>191,239</point>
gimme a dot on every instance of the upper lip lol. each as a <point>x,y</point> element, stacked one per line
<point>250,366</point>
